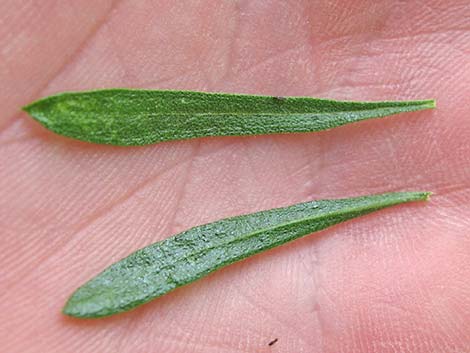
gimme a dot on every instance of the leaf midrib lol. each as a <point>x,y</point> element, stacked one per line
<point>263,230</point>
<point>398,109</point>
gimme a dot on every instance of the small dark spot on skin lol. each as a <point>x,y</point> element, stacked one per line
<point>272,342</point>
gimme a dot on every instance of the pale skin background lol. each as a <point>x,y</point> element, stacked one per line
<point>394,281</point>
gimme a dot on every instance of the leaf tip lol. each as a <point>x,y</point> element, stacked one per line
<point>34,110</point>
<point>416,105</point>
<point>427,195</point>
<point>423,104</point>
<point>87,305</point>
<point>69,310</point>
<point>420,195</point>
<point>75,307</point>
<point>430,103</point>
<point>27,108</point>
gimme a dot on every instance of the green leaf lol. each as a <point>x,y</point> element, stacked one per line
<point>163,266</point>
<point>141,117</point>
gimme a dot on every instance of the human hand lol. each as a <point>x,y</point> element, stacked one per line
<point>395,281</point>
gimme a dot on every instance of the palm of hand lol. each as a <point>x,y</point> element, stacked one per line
<point>394,281</point>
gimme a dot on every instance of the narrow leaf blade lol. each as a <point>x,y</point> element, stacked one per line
<point>163,266</point>
<point>141,117</point>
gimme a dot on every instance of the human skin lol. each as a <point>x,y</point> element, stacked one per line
<point>393,281</point>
